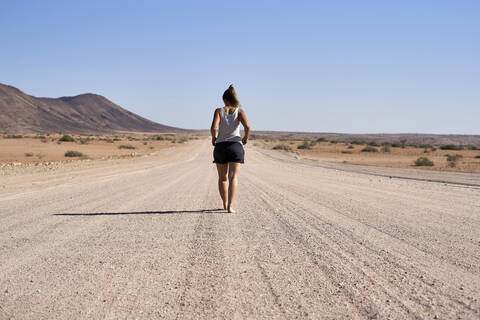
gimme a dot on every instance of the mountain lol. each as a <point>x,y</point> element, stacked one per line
<point>85,113</point>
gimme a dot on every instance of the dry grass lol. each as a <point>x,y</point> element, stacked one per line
<point>466,160</point>
<point>47,148</point>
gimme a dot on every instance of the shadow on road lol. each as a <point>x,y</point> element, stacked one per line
<point>139,212</point>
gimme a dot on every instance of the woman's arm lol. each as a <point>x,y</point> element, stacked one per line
<point>215,123</point>
<point>246,126</point>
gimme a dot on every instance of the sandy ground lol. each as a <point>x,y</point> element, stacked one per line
<point>31,150</point>
<point>469,160</point>
<point>143,238</point>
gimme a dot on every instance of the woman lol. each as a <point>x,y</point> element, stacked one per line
<point>228,152</point>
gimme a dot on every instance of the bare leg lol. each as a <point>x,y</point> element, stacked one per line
<point>222,169</point>
<point>233,169</point>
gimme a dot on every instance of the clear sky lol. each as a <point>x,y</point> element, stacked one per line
<point>325,66</point>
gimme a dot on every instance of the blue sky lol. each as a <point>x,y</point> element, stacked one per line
<point>323,66</point>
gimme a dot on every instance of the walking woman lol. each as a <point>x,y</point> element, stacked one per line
<point>228,152</point>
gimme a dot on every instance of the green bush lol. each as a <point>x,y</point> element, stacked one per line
<point>451,147</point>
<point>357,142</point>
<point>28,154</point>
<point>66,138</point>
<point>159,138</point>
<point>423,161</point>
<point>477,157</point>
<point>282,147</point>
<point>386,147</point>
<point>424,146</point>
<point>346,151</point>
<point>350,147</point>
<point>72,153</point>
<point>13,136</point>
<point>321,140</point>
<point>369,149</point>
<point>126,146</point>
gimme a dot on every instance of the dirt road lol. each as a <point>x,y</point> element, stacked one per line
<point>144,238</point>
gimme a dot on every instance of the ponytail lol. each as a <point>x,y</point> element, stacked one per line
<point>230,97</point>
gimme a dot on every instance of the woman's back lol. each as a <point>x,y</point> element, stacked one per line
<point>229,127</point>
<point>228,152</point>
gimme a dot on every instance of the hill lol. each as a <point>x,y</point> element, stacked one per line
<point>85,113</point>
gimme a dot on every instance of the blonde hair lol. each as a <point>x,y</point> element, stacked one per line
<point>230,97</point>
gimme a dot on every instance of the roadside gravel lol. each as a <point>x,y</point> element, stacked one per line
<point>145,238</point>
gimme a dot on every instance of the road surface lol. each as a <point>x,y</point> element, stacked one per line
<point>144,238</point>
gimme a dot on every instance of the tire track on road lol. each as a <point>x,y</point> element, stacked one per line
<point>340,249</point>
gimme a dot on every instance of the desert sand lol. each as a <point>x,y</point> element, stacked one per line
<point>396,157</point>
<point>144,238</point>
<point>38,149</point>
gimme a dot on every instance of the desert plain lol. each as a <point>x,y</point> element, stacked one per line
<point>120,232</point>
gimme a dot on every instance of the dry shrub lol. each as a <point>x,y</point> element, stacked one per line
<point>126,146</point>
<point>72,153</point>
<point>423,161</point>
<point>369,149</point>
<point>282,147</point>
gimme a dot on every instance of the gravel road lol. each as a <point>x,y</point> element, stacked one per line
<point>144,238</point>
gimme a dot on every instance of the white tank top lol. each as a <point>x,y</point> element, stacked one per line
<point>229,128</point>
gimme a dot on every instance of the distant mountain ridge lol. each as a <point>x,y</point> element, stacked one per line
<point>85,113</point>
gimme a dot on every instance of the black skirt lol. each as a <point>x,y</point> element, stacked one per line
<point>225,152</point>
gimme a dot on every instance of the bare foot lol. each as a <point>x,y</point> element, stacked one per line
<point>231,210</point>
<point>224,206</point>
